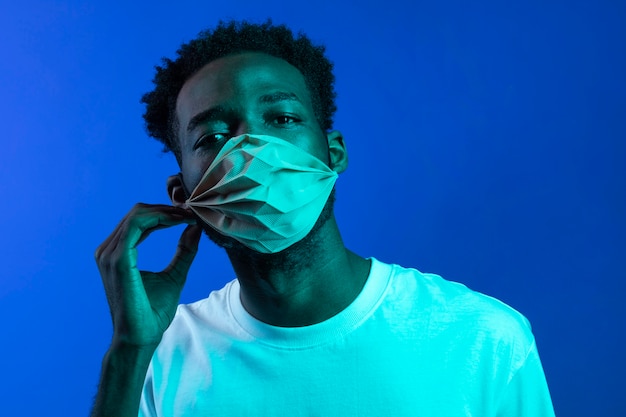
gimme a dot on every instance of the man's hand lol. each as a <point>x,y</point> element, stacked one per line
<point>143,303</point>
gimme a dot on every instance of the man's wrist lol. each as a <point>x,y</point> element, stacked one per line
<point>124,370</point>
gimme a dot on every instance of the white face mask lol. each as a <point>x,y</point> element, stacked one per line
<point>263,191</point>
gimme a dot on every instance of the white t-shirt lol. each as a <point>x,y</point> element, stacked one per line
<point>411,344</point>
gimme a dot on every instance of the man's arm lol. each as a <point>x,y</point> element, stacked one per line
<point>123,372</point>
<point>142,303</point>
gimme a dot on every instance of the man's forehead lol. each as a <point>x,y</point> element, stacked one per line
<point>249,73</point>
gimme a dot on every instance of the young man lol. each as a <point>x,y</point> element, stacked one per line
<point>308,327</point>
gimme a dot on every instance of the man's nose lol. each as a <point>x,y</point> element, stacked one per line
<point>249,127</point>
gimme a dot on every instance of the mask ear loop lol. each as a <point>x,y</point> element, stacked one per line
<point>330,159</point>
<point>187,193</point>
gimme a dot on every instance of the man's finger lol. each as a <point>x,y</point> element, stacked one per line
<point>149,231</point>
<point>140,209</point>
<point>185,253</point>
<point>139,227</point>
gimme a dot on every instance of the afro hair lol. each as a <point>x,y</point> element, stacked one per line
<point>230,38</point>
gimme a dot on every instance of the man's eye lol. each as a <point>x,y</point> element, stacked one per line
<point>285,119</point>
<point>210,139</point>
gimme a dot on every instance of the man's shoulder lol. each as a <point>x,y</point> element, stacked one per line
<point>217,300</point>
<point>452,305</point>
<point>212,312</point>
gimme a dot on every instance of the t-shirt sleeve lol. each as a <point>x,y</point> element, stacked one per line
<point>527,394</point>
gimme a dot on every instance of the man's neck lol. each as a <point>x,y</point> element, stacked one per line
<point>307,284</point>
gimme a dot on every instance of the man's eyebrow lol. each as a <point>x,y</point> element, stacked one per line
<point>278,96</point>
<point>205,116</point>
<point>218,111</point>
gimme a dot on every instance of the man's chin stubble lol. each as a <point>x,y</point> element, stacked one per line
<point>294,255</point>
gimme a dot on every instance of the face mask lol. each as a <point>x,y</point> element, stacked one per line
<point>263,191</point>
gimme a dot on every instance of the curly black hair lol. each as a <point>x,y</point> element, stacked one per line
<point>229,38</point>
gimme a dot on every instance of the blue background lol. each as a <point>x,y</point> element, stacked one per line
<point>487,144</point>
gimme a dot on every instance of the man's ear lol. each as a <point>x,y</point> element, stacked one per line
<point>337,151</point>
<point>176,190</point>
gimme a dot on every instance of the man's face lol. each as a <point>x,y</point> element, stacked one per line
<point>247,93</point>
<point>251,93</point>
